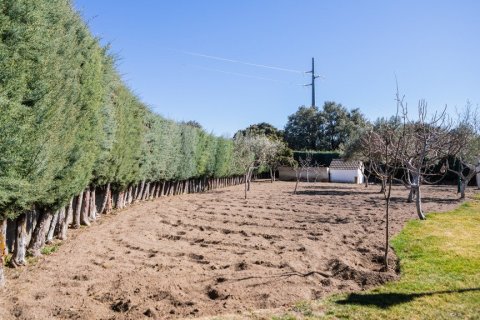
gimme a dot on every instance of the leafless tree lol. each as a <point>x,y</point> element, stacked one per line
<point>428,144</point>
<point>303,165</point>
<point>465,147</point>
<point>386,145</point>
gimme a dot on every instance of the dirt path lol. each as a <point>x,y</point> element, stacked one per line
<point>215,253</point>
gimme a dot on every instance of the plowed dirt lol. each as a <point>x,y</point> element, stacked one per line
<point>217,253</point>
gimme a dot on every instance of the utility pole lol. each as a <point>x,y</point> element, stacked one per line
<point>314,76</point>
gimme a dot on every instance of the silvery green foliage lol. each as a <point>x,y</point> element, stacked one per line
<point>68,120</point>
<point>254,150</point>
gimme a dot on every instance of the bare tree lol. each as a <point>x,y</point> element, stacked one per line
<point>465,147</point>
<point>428,144</point>
<point>386,144</point>
<point>303,165</point>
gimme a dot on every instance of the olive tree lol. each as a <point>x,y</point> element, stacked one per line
<point>465,147</point>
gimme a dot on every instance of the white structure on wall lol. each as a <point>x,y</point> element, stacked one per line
<point>346,171</point>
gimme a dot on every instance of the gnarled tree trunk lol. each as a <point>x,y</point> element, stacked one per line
<point>93,205</point>
<point>153,191</point>
<point>145,191</point>
<point>109,207</point>
<point>84,216</point>
<point>20,247</point>
<point>106,198</point>
<point>129,195</point>
<point>38,237</point>
<point>120,200</point>
<point>53,225</point>
<point>139,194</point>
<point>78,211</point>
<point>62,225</point>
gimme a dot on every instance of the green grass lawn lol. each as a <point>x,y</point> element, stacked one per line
<point>440,275</point>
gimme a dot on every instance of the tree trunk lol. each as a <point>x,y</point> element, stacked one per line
<point>146,191</point>
<point>3,249</point>
<point>84,216</point>
<point>246,188</point>
<point>462,188</point>
<point>271,176</point>
<point>382,190</point>
<point>411,195</point>
<point>18,258</point>
<point>53,225</point>
<point>120,199</point>
<point>418,202</point>
<point>388,195</point>
<point>153,191</point>
<point>93,205</point>
<point>177,188</point>
<point>162,189</point>
<point>62,225</point>
<point>38,237</point>
<point>78,210</point>
<point>139,194</point>
<point>105,199</point>
<point>159,190</point>
<point>134,192</point>
<point>131,194</point>
<point>387,236</point>
<point>109,201</point>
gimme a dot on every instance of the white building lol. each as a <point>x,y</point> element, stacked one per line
<point>346,171</point>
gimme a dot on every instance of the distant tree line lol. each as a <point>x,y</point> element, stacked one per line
<point>327,129</point>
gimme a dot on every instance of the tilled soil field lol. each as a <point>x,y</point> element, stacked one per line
<point>216,253</point>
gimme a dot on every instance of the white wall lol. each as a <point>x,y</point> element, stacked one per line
<point>288,173</point>
<point>346,176</point>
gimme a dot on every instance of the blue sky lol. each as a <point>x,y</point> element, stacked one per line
<point>432,47</point>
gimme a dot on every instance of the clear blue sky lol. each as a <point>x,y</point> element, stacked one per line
<point>432,46</point>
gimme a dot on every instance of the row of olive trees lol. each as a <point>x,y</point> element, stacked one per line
<point>414,151</point>
<point>74,140</point>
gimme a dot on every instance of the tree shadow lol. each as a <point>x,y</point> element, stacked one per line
<point>390,299</point>
<point>323,192</point>
<point>328,186</point>
<point>425,200</point>
<point>338,193</point>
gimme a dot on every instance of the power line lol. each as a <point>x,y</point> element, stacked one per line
<point>238,61</point>
<point>245,75</point>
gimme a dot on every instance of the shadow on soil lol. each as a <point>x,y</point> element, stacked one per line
<point>331,192</point>
<point>387,300</point>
